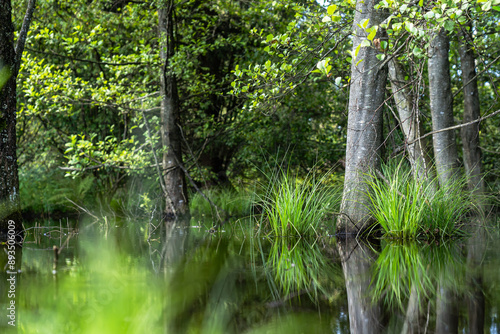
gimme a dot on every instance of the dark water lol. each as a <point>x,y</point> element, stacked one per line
<point>186,280</point>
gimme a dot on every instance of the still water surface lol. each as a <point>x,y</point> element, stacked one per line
<point>186,280</point>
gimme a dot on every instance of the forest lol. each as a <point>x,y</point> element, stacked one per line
<point>129,108</point>
<point>249,166</point>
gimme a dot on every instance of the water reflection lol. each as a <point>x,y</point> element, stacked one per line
<point>365,315</point>
<point>176,281</point>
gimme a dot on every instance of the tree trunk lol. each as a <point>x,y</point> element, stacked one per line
<point>364,126</point>
<point>10,59</point>
<point>445,146</point>
<point>408,118</point>
<point>173,175</point>
<point>470,133</point>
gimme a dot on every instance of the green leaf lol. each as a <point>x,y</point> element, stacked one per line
<point>449,25</point>
<point>365,43</point>
<point>338,81</point>
<point>357,50</point>
<point>380,56</point>
<point>364,23</point>
<point>371,36</point>
<point>331,9</point>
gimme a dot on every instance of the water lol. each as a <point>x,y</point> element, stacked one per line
<point>114,280</point>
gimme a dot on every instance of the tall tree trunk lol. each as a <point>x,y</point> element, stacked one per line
<point>445,146</point>
<point>364,126</point>
<point>173,175</point>
<point>10,58</point>
<point>408,118</point>
<point>470,133</point>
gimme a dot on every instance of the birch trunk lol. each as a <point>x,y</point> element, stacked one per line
<point>470,133</point>
<point>364,126</point>
<point>445,146</point>
<point>408,118</point>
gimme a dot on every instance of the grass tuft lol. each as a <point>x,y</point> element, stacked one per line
<point>407,208</point>
<point>297,207</point>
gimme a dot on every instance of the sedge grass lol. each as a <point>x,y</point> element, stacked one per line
<point>407,208</point>
<point>294,206</point>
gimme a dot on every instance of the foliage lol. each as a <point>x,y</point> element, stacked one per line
<point>234,203</point>
<point>47,192</point>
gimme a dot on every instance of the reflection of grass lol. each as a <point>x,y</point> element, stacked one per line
<point>296,207</point>
<point>407,208</point>
<point>109,289</point>
<point>402,267</point>
<point>300,267</point>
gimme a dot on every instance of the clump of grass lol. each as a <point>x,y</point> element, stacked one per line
<point>297,207</point>
<point>408,208</point>
<point>397,201</point>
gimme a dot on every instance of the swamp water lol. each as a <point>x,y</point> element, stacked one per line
<point>187,280</point>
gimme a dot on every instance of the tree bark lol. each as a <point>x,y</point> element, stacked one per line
<point>445,146</point>
<point>173,176</point>
<point>364,126</point>
<point>408,118</point>
<point>10,59</point>
<point>470,134</point>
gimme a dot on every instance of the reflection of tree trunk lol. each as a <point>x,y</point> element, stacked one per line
<point>470,133</point>
<point>414,321</point>
<point>174,243</point>
<point>364,128</point>
<point>365,315</point>
<point>175,184</point>
<point>446,311</point>
<point>475,302</point>
<point>408,119</point>
<point>445,146</point>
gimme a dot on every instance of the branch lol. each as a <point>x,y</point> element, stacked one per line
<point>21,41</point>
<point>52,53</point>
<point>480,119</point>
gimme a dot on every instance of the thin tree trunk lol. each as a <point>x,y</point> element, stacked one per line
<point>364,126</point>
<point>470,134</point>
<point>408,118</point>
<point>10,59</point>
<point>445,147</point>
<point>174,178</point>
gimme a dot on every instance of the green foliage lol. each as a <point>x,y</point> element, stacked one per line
<point>234,203</point>
<point>407,208</point>
<point>297,207</point>
<point>47,192</point>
